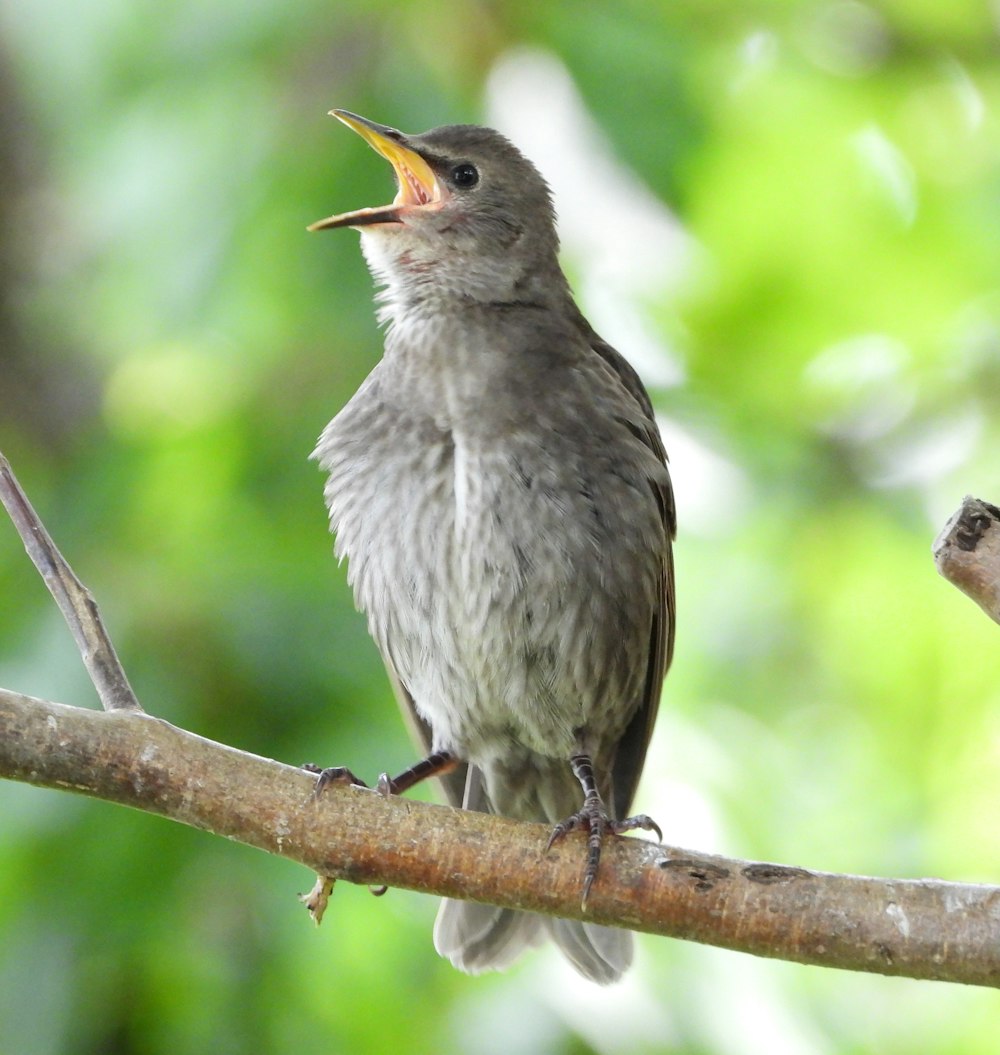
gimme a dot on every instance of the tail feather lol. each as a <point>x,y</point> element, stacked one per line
<point>477,938</point>
<point>602,954</point>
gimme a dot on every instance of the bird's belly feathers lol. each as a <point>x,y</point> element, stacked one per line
<point>516,608</point>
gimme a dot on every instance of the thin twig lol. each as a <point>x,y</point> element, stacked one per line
<point>75,601</point>
<point>967,553</point>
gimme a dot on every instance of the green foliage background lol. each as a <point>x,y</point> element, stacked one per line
<point>171,343</point>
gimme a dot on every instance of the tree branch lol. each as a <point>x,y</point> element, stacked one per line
<point>75,601</point>
<point>967,553</point>
<point>915,928</point>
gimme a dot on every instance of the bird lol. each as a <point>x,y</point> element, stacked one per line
<point>500,491</point>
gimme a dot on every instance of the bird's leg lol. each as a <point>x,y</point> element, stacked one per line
<point>595,818</point>
<point>435,765</point>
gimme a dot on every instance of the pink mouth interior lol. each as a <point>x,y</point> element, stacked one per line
<point>415,187</point>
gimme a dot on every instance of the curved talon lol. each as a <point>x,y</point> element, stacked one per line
<point>571,824</point>
<point>384,785</point>
<point>641,820</point>
<point>377,891</point>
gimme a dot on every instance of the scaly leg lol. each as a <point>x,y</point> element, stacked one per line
<point>595,818</point>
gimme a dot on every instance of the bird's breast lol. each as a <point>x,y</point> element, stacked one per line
<point>508,566</point>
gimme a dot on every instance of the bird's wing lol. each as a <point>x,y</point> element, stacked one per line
<point>453,782</point>
<point>631,753</point>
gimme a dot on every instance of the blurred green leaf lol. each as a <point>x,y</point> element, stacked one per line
<point>172,341</point>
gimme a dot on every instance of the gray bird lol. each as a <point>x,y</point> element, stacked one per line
<point>500,490</point>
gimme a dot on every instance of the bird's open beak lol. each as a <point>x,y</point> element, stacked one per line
<point>418,186</point>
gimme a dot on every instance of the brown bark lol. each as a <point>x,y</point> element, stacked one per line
<point>74,600</point>
<point>917,928</point>
<point>967,553</point>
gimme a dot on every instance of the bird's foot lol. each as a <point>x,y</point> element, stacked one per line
<point>437,764</point>
<point>317,898</point>
<point>594,817</point>
<point>326,778</point>
<point>434,765</point>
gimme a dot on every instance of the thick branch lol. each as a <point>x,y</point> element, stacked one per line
<point>916,928</point>
<point>967,553</point>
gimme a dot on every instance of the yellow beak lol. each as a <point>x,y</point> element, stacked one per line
<point>418,186</point>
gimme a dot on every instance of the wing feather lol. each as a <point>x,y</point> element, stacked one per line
<point>631,752</point>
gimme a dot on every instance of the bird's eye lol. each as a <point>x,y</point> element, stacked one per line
<point>465,175</point>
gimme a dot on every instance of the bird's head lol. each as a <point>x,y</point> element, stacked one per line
<point>471,216</point>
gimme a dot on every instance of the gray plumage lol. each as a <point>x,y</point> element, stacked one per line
<point>499,490</point>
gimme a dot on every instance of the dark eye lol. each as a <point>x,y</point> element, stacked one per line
<point>465,175</point>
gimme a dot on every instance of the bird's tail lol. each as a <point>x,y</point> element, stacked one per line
<point>477,938</point>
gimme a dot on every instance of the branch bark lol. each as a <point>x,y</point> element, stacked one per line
<point>967,553</point>
<point>75,601</point>
<point>916,928</point>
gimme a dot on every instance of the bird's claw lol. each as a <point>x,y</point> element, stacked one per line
<point>326,778</point>
<point>639,822</point>
<point>595,818</point>
<point>571,824</point>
